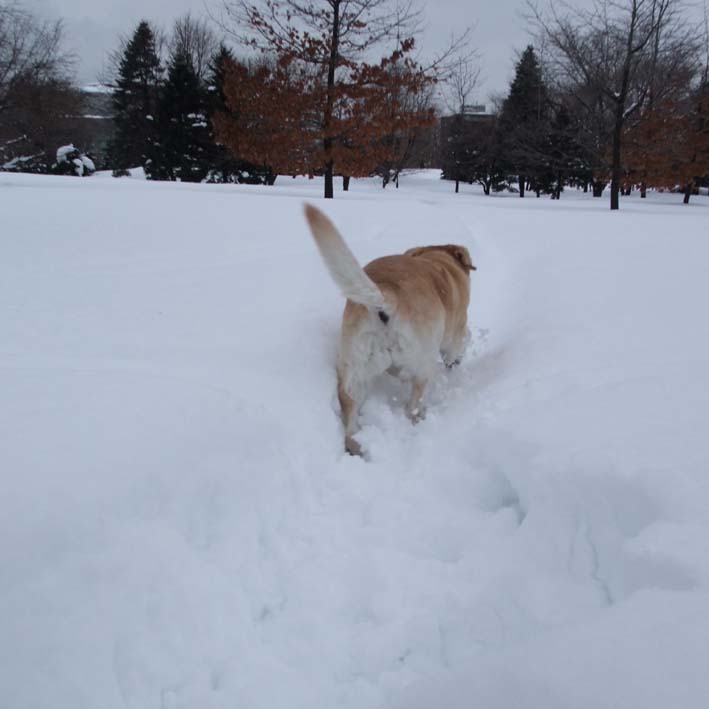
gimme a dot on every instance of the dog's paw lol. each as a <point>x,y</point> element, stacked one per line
<point>454,363</point>
<point>352,447</point>
<point>416,415</point>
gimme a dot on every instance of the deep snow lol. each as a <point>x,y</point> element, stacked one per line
<point>180,528</point>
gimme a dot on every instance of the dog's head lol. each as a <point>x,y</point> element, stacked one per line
<point>460,254</point>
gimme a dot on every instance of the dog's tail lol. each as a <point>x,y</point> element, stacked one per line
<point>352,281</point>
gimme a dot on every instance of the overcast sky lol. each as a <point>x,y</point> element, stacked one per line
<point>92,27</point>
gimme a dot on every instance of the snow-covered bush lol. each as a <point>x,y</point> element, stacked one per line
<point>71,161</point>
<point>26,163</point>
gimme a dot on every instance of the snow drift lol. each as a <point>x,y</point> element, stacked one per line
<point>181,529</point>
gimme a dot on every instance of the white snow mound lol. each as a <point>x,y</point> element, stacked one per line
<point>181,529</point>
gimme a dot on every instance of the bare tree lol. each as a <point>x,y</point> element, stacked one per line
<point>29,48</point>
<point>37,100</point>
<point>194,38</point>
<point>462,81</point>
<point>604,53</point>
<point>408,110</point>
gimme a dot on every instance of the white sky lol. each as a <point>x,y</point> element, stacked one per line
<point>92,27</point>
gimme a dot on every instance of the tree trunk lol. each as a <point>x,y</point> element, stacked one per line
<point>329,187</point>
<point>585,188</point>
<point>397,181</point>
<point>615,167</point>
<point>522,183</point>
<point>598,188</point>
<point>327,118</point>
<point>457,186</point>
<point>621,98</point>
<point>643,190</point>
<point>345,183</point>
<point>687,193</point>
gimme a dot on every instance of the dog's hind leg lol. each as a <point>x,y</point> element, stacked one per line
<point>350,412</point>
<point>415,409</point>
<point>452,353</point>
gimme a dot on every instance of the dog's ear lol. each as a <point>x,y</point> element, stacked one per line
<point>415,252</point>
<point>462,255</point>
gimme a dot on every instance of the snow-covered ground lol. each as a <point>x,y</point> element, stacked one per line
<point>180,529</point>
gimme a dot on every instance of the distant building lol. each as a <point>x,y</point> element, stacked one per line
<point>474,109</point>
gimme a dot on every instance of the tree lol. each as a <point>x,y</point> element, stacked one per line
<point>135,100</point>
<point>462,80</point>
<point>605,53</point>
<point>29,48</point>
<point>182,144</point>
<point>669,148</point>
<point>567,159</point>
<point>224,165</point>
<point>37,98</point>
<point>330,38</point>
<point>265,120</point>
<point>394,109</point>
<point>696,137</point>
<point>276,109</point>
<point>524,122</point>
<point>195,39</point>
<point>472,150</point>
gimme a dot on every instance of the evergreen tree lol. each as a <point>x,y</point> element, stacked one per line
<point>182,147</point>
<point>567,160</point>
<point>472,151</point>
<point>135,100</point>
<point>524,123</point>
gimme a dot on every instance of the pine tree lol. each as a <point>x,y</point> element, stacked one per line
<point>524,122</point>
<point>566,160</point>
<point>182,147</point>
<point>135,100</point>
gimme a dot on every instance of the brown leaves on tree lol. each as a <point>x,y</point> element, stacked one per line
<point>285,116</point>
<point>669,146</point>
<point>267,121</point>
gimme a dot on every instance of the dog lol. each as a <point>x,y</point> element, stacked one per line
<point>402,312</point>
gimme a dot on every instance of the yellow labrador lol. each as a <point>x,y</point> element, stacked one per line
<point>401,313</point>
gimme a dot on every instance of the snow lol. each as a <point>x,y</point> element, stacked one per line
<point>17,161</point>
<point>181,529</point>
<point>97,88</point>
<point>87,164</point>
<point>64,151</point>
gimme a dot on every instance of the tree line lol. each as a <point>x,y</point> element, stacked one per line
<point>324,87</point>
<point>619,97</point>
<point>307,100</point>
<point>37,95</point>
<point>616,93</point>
